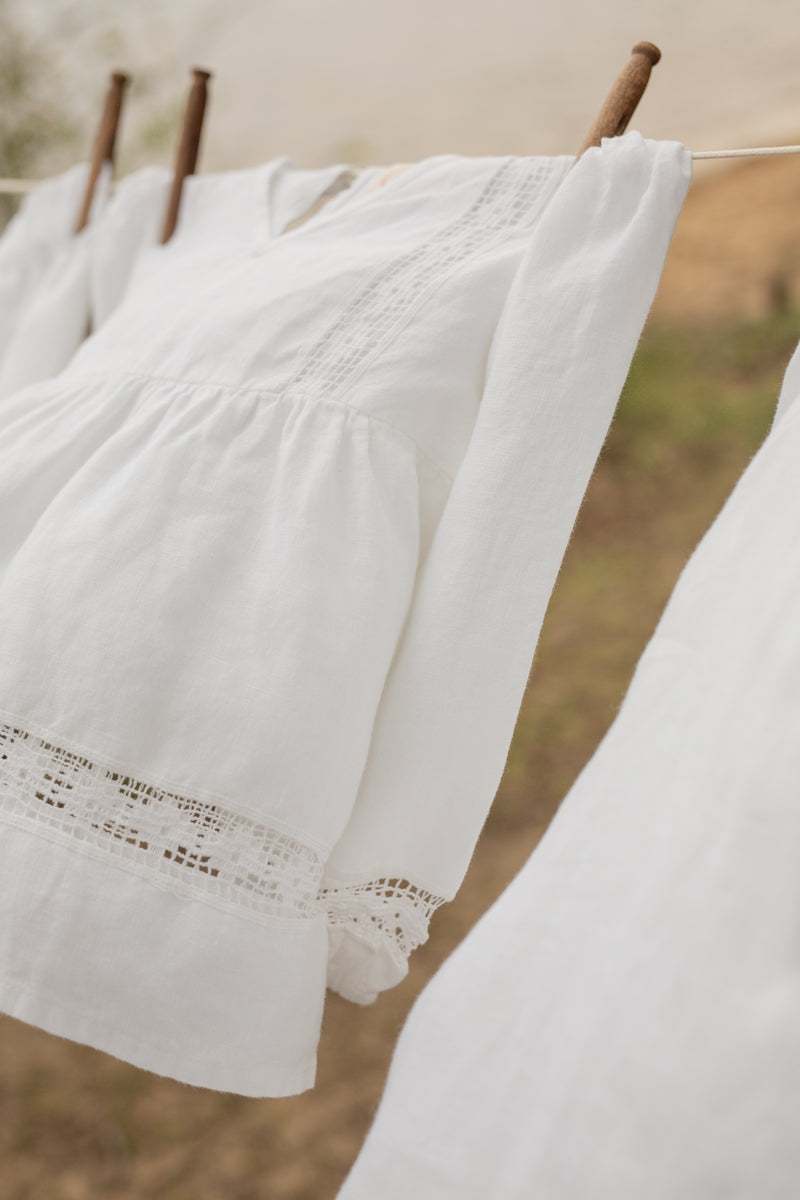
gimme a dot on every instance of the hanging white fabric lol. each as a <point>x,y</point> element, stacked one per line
<point>624,1021</point>
<point>37,236</point>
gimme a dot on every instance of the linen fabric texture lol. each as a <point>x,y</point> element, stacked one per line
<point>623,1022</point>
<point>276,548</point>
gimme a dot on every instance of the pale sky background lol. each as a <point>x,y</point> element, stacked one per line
<point>382,81</point>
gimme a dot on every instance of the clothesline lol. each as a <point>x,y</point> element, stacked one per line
<point>12,187</point>
<point>755,152</point>
<point>17,187</point>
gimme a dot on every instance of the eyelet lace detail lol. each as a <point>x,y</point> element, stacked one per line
<point>512,199</point>
<point>198,847</point>
<point>192,843</point>
<point>384,914</point>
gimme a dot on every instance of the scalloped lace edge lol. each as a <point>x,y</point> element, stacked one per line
<point>382,913</point>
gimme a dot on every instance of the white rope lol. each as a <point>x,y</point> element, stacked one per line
<point>17,187</point>
<point>756,153</point>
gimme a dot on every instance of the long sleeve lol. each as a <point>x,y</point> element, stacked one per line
<point>558,361</point>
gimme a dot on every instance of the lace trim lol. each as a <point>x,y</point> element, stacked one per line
<point>198,844</point>
<point>215,851</point>
<point>508,201</point>
<point>388,914</point>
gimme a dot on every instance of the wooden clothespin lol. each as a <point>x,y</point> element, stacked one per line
<point>105,139</point>
<point>624,96</point>
<point>188,147</point>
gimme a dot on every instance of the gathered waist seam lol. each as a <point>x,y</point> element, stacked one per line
<point>272,394</point>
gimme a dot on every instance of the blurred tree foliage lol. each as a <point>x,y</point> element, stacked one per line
<point>32,121</point>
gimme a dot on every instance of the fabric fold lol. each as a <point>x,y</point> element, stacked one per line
<point>37,252</point>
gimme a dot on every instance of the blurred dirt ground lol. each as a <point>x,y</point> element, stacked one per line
<point>78,1125</point>
<point>736,251</point>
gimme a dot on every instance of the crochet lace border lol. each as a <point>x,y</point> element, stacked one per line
<point>199,845</point>
<point>391,914</point>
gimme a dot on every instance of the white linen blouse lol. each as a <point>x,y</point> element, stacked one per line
<point>274,553</point>
<point>624,1021</point>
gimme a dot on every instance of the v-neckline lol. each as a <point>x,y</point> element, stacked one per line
<point>359,194</point>
<point>305,188</point>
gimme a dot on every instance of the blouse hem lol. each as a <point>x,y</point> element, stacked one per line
<point>37,1009</point>
<point>167,984</point>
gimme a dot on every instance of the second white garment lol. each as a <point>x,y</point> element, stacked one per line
<point>274,554</point>
<point>625,1021</point>
<point>38,236</point>
<point>53,317</point>
<point>86,274</point>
